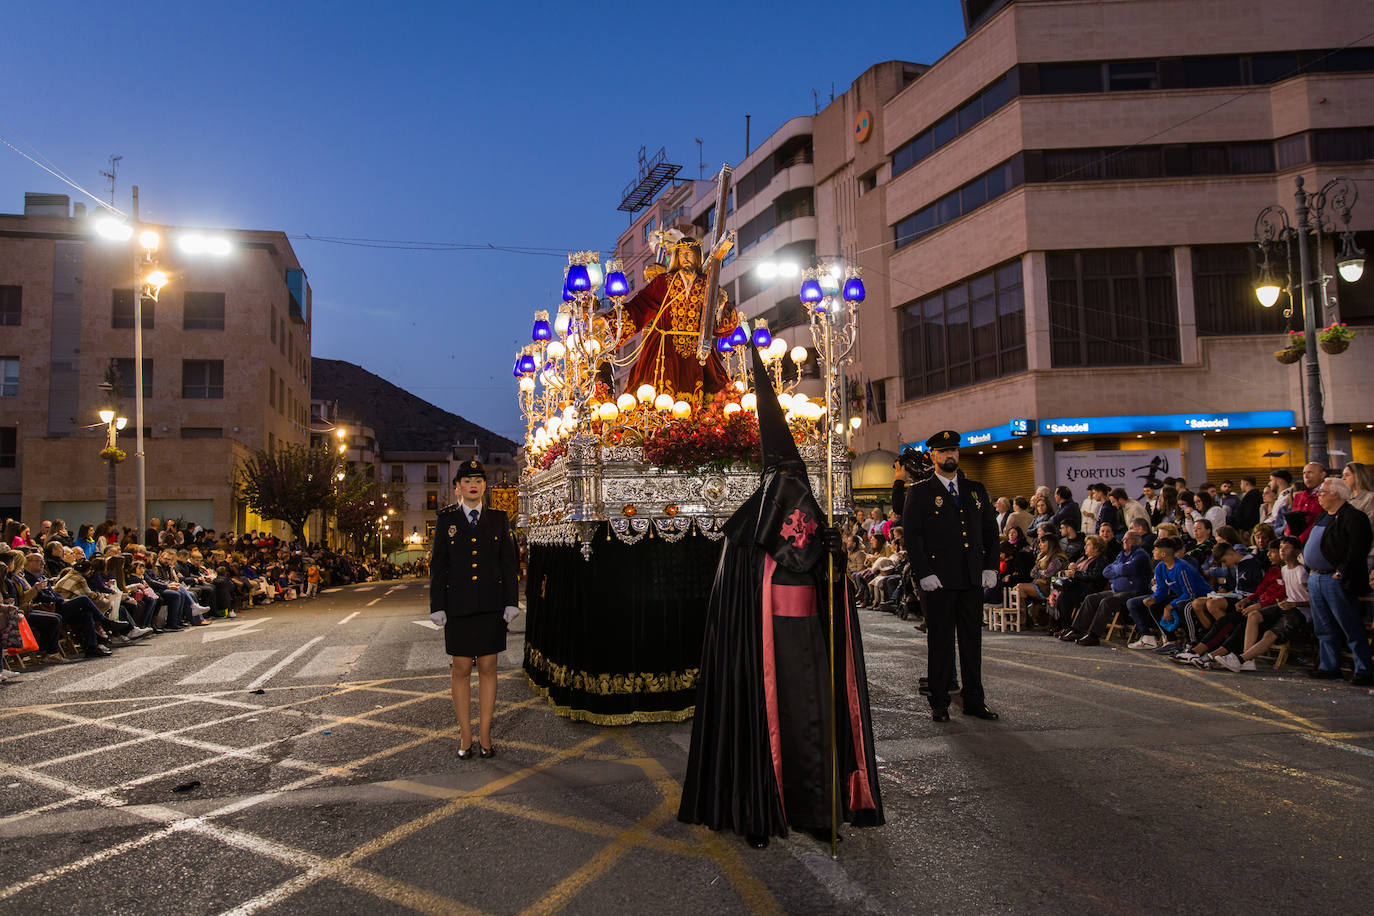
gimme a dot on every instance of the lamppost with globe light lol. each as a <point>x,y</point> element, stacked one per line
<point>1315,216</point>
<point>149,280</point>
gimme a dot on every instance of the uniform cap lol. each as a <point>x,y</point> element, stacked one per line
<point>470,468</point>
<point>945,438</point>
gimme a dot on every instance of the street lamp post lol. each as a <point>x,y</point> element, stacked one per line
<point>1314,217</point>
<point>113,424</point>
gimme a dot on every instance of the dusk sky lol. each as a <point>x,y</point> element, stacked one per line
<point>514,124</point>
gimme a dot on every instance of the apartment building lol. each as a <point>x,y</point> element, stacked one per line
<point>226,366</point>
<point>1056,226</point>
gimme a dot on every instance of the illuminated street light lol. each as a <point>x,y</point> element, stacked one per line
<point>148,239</point>
<point>106,415</point>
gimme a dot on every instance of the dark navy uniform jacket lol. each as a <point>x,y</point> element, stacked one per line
<point>473,571</point>
<point>955,540</point>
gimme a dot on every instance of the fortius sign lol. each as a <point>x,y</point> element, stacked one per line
<point>1170,422</point>
<point>1130,470</point>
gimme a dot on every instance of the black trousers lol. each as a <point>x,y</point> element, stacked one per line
<point>1098,610</point>
<point>951,612</point>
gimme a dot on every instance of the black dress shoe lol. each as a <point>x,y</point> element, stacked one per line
<point>1070,635</point>
<point>1322,674</point>
<point>981,712</point>
<point>486,753</point>
<point>98,651</point>
<point>940,715</point>
<point>757,840</point>
<point>1089,640</point>
<point>465,753</point>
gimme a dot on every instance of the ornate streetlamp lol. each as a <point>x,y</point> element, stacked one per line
<point>1315,216</point>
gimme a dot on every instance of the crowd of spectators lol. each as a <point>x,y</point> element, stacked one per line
<point>65,596</point>
<point>1214,577</point>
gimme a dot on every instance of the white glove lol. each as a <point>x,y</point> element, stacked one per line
<point>989,578</point>
<point>439,617</point>
<point>510,613</point>
<point>930,584</point>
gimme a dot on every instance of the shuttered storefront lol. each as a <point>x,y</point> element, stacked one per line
<point>1007,474</point>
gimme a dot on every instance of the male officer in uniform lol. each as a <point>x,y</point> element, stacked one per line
<point>474,592</point>
<point>950,528</point>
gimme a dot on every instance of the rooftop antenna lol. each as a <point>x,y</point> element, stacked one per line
<point>110,176</point>
<point>816,101</point>
<point>701,165</point>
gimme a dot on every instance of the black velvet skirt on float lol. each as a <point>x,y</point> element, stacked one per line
<point>475,635</point>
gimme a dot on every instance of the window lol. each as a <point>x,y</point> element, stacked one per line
<point>1224,292</point>
<point>1270,68</point>
<point>1112,307</point>
<point>9,446</point>
<point>271,443</point>
<point>281,336</point>
<point>202,378</point>
<point>982,189</point>
<point>297,294</point>
<point>1061,78</point>
<point>271,387</point>
<point>9,376</point>
<point>879,390</point>
<point>1208,72</point>
<point>272,325</point>
<point>10,302</point>
<point>125,368</point>
<point>122,310</point>
<point>431,500</point>
<point>281,396</point>
<point>649,227</point>
<point>202,432</point>
<point>1132,76</point>
<point>1292,151</point>
<point>953,124</point>
<point>1353,145</point>
<point>431,473</point>
<point>203,311</point>
<point>398,473</point>
<point>967,333</point>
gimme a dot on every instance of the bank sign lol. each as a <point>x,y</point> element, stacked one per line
<point>1173,422</point>
<point>1130,470</point>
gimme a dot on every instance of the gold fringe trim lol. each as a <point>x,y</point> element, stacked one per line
<point>645,716</point>
<point>609,684</point>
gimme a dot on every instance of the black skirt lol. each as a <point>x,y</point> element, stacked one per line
<point>475,635</point>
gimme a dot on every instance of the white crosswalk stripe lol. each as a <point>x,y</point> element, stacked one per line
<point>332,661</point>
<point>229,668</point>
<point>427,654</point>
<point>121,673</point>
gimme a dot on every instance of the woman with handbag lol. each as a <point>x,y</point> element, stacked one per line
<point>45,626</point>
<point>1081,579</point>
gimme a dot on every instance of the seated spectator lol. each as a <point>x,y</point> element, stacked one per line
<point>1107,513</point>
<point>1142,530</point>
<point>1020,515</point>
<point>1175,582</point>
<point>1071,540</point>
<point>1128,576</point>
<point>1218,614</point>
<point>78,612</point>
<point>1108,535</point>
<point>1016,556</point>
<point>1208,509</point>
<point>1203,542</point>
<point>16,592</point>
<point>1042,516</point>
<point>1127,510</point>
<point>1066,510</point>
<point>1083,577</point>
<point>1050,561</point>
<point>85,540</point>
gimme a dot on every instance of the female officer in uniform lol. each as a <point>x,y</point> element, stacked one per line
<point>473,595</point>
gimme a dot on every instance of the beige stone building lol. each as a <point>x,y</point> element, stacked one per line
<point>1055,221</point>
<point>226,354</point>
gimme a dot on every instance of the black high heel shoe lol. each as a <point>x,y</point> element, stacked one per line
<point>486,753</point>
<point>465,753</point>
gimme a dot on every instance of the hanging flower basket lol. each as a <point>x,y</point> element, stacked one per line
<point>1335,339</point>
<point>113,455</point>
<point>1288,356</point>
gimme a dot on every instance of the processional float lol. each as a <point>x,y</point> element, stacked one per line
<point>624,493</point>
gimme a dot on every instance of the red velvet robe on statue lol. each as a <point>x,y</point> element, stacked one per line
<point>669,312</point>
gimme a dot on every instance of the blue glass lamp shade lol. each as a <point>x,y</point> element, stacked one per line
<point>518,371</point>
<point>739,337</point>
<point>854,290</point>
<point>527,365</point>
<point>579,280</point>
<point>541,331</point>
<point>723,345</point>
<point>811,292</point>
<point>762,338</point>
<point>616,284</point>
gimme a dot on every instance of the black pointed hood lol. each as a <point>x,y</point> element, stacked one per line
<point>776,444</point>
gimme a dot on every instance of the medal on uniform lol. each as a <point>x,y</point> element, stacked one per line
<point>939,501</point>
<point>452,530</point>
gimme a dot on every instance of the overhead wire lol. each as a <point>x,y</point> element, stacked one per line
<point>47,166</point>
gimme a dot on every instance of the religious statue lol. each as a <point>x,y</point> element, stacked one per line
<point>669,311</point>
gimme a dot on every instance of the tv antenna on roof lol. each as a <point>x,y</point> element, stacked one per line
<point>110,176</point>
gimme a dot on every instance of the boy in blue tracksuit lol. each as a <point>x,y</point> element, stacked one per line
<point>1176,583</point>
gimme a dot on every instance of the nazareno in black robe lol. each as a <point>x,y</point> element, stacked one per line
<point>760,755</point>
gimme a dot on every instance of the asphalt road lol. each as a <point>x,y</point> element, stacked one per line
<point>161,781</point>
